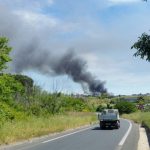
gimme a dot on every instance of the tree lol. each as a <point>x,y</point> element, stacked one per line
<point>143,47</point>
<point>140,100</point>
<point>9,87</point>
<point>4,53</point>
<point>125,107</point>
<point>26,81</point>
<point>104,95</point>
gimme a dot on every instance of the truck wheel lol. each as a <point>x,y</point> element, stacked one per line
<point>101,125</point>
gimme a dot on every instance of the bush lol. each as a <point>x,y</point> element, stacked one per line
<point>6,113</point>
<point>9,114</point>
<point>9,87</point>
<point>101,107</point>
<point>125,107</point>
<point>74,104</point>
<point>147,108</point>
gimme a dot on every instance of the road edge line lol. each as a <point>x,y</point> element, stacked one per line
<point>67,135</point>
<point>126,134</point>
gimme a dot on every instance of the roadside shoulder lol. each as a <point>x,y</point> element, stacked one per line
<point>143,143</point>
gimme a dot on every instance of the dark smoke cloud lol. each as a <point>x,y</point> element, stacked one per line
<point>76,68</point>
<point>30,54</point>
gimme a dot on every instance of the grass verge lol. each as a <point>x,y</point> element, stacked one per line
<point>139,117</point>
<point>34,127</point>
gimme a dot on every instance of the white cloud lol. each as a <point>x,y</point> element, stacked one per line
<point>37,19</point>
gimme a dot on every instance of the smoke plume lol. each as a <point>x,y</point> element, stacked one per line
<point>29,53</point>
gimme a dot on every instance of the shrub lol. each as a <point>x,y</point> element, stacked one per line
<point>74,104</point>
<point>147,108</point>
<point>9,87</point>
<point>8,114</point>
<point>125,107</point>
<point>101,107</point>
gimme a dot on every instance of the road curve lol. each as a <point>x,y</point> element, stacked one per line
<point>125,138</point>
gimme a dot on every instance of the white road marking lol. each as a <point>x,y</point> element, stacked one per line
<point>67,135</point>
<point>127,133</point>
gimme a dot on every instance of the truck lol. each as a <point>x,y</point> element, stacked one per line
<point>109,118</point>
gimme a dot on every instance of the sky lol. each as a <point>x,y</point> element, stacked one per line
<point>101,32</point>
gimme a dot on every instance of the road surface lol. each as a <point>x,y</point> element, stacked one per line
<point>91,138</point>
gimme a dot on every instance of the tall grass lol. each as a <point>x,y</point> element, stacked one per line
<point>139,117</point>
<point>38,126</point>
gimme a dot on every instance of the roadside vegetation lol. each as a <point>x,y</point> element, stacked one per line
<point>139,117</point>
<point>26,111</point>
<point>141,113</point>
<point>34,126</point>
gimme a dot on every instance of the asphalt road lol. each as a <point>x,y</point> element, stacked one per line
<point>91,138</point>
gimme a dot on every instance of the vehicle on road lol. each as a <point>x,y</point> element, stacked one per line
<point>109,118</point>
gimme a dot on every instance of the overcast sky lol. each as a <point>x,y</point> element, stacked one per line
<point>101,32</point>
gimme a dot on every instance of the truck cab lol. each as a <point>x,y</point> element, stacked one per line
<point>109,118</point>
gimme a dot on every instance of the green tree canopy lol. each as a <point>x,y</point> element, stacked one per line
<point>9,87</point>
<point>125,107</point>
<point>143,47</point>
<point>4,53</point>
<point>25,80</point>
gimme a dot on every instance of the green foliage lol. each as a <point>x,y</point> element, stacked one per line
<point>105,95</point>
<point>110,106</point>
<point>74,104</point>
<point>139,117</point>
<point>56,103</point>
<point>9,87</point>
<point>43,103</point>
<point>35,110</point>
<point>4,53</point>
<point>101,107</point>
<point>52,104</point>
<point>25,80</point>
<point>8,114</point>
<point>140,100</point>
<point>143,47</point>
<point>34,126</point>
<point>146,108</point>
<point>125,107</point>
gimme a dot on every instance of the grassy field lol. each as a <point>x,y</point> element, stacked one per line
<point>34,127</point>
<point>139,117</point>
